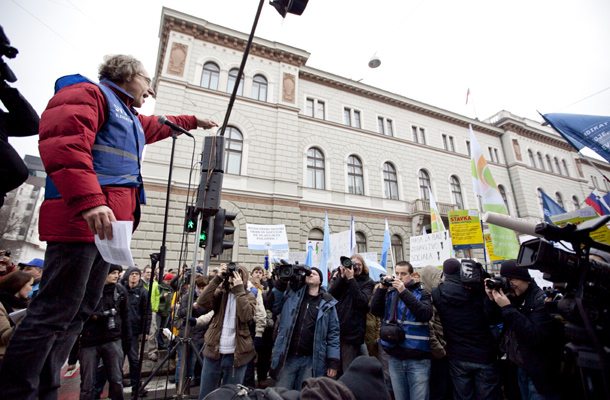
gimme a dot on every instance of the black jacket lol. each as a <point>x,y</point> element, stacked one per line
<point>465,325</point>
<point>97,331</point>
<point>197,333</point>
<point>531,338</point>
<point>139,307</point>
<point>353,296</point>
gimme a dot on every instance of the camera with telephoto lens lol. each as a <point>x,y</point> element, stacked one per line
<point>110,314</point>
<point>292,272</point>
<point>346,262</point>
<point>498,282</point>
<point>6,50</point>
<point>231,267</point>
<point>387,280</point>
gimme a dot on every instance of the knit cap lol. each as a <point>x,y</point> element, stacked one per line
<point>509,269</point>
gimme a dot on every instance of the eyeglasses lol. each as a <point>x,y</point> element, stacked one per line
<point>147,79</point>
<point>357,265</point>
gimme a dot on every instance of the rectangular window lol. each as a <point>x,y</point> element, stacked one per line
<point>384,126</point>
<point>347,118</point>
<point>419,134</point>
<point>491,154</point>
<point>357,119</point>
<point>445,144</point>
<point>414,131</point>
<point>309,107</point>
<point>315,108</point>
<point>390,131</point>
<point>351,117</point>
<point>468,147</point>
<point>320,110</point>
<point>497,157</point>
<point>451,144</point>
<point>380,126</point>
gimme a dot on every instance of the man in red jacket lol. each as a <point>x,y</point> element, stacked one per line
<point>91,143</point>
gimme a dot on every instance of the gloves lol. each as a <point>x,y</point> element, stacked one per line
<point>258,341</point>
<point>191,321</point>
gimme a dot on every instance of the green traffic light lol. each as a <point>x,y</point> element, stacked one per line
<point>191,224</point>
<point>202,236</point>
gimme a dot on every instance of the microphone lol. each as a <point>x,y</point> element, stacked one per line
<point>164,121</point>
<point>515,224</point>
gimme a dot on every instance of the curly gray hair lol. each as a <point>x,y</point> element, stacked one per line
<point>119,67</point>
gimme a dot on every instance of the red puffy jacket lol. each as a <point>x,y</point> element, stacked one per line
<point>67,132</point>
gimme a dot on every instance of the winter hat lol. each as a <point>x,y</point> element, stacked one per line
<point>365,379</point>
<point>168,277</point>
<point>452,266</point>
<point>509,269</point>
<point>114,267</point>
<point>37,262</point>
<point>325,389</point>
<point>319,273</point>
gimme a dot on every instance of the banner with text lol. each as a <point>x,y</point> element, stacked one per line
<point>267,237</point>
<point>432,249</point>
<point>577,217</point>
<point>465,228</point>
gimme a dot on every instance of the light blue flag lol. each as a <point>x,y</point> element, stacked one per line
<point>325,256</point>
<point>375,270</point>
<point>386,246</point>
<point>308,260</point>
<point>550,207</point>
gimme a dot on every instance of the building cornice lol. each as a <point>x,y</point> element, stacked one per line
<point>526,131</point>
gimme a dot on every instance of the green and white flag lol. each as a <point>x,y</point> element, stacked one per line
<point>436,223</point>
<point>504,240</point>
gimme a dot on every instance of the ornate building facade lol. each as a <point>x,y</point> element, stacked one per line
<point>302,142</point>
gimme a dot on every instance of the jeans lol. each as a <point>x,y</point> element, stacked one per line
<point>215,373</point>
<point>133,356</point>
<point>295,370</point>
<point>191,360</point>
<point>474,381</point>
<point>410,378</point>
<point>112,355</point>
<point>528,391</point>
<point>71,286</point>
<point>161,323</point>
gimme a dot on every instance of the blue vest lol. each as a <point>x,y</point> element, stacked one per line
<point>417,334</point>
<point>118,145</point>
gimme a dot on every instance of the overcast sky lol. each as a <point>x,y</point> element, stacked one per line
<point>518,55</point>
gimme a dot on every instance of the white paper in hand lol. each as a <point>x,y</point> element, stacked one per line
<point>117,250</point>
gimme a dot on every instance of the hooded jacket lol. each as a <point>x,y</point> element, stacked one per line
<point>430,279</point>
<point>138,304</point>
<point>214,297</point>
<point>465,325</point>
<point>353,297</point>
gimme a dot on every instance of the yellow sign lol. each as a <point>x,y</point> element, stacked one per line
<point>465,228</point>
<point>577,217</point>
<point>490,248</point>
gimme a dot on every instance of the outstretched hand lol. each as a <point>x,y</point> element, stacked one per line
<point>206,123</point>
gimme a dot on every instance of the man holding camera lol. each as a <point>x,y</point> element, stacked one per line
<point>353,288</point>
<point>106,335</point>
<point>470,344</point>
<point>228,342</point>
<point>307,343</point>
<point>528,336</point>
<point>405,333</point>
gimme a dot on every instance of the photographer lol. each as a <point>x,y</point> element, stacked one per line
<point>106,335</point>
<point>408,308</point>
<point>353,288</point>
<point>307,343</point>
<point>6,263</point>
<point>470,344</point>
<point>21,120</point>
<point>528,336</point>
<point>228,343</point>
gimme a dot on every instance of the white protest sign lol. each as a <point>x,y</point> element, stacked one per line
<point>340,245</point>
<point>432,249</point>
<point>370,256</point>
<point>267,237</point>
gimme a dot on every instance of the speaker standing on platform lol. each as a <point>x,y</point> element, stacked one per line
<point>91,144</point>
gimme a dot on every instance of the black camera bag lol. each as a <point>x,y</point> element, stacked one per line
<point>392,332</point>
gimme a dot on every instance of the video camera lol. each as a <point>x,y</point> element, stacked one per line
<point>6,74</point>
<point>292,272</point>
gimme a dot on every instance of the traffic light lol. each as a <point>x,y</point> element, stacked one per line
<point>190,221</point>
<point>289,6</point>
<point>203,233</point>
<point>221,230</point>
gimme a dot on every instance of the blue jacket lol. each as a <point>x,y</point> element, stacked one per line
<point>118,146</point>
<point>326,337</point>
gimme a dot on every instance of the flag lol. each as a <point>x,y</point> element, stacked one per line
<point>504,240</point>
<point>467,94</point>
<point>436,222</point>
<point>387,244</point>
<point>550,207</point>
<point>592,131</point>
<point>352,236</point>
<point>309,258</point>
<point>375,270</point>
<point>325,256</point>
<point>596,201</point>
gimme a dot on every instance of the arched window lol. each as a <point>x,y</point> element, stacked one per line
<point>557,166</point>
<point>540,162</point>
<point>233,150</point>
<point>390,181</point>
<point>360,242</point>
<point>259,88</point>
<point>209,78</point>
<point>565,167</point>
<point>355,177</point>
<point>531,157</point>
<point>559,200</point>
<point>315,168</point>
<point>456,192</point>
<point>504,198</point>
<point>575,202</point>
<point>231,82</point>
<point>548,161</point>
<point>397,248</point>
<point>316,235</point>
<point>424,184</point>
